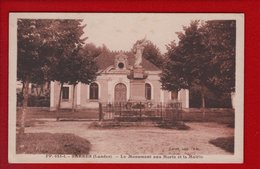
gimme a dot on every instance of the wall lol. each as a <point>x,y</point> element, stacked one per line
<point>55,92</point>
<point>153,80</point>
<point>106,83</point>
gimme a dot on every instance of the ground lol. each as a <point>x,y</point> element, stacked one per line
<point>142,140</point>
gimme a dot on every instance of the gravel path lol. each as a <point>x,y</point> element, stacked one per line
<point>144,140</point>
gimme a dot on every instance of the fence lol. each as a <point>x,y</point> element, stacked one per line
<point>140,111</point>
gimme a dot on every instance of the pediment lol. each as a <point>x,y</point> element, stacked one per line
<point>112,70</point>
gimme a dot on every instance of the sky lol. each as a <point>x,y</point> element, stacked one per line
<point>121,31</point>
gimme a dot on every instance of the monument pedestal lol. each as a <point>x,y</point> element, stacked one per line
<point>137,90</point>
<point>137,84</point>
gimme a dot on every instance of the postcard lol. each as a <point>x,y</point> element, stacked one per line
<point>126,87</point>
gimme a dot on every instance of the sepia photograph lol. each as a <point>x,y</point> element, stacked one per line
<point>126,88</point>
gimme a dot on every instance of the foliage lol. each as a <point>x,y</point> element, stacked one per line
<point>29,42</point>
<point>42,46</point>
<point>92,50</point>
<point>68,44</point>
<point>49,49</point>
<point>220,40</point>
<point>138,106</point>
<point>19,99</point>
<point>226,143</point>
<point>38,101</point>
<point>42,43</point>
<point>48,143</point>
<point>77,67</point>
<point>203,60</point>
<point>80,66</point>
<point>33,101</point>
<point>178,125</point>
<point>188,62</point>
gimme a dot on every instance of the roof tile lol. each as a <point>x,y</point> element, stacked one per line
<point>106,59</point>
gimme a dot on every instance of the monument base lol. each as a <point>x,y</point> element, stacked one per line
<point>137,88</point>
<point>137,84</point>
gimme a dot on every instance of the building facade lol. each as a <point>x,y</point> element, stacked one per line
<point>117,83</point>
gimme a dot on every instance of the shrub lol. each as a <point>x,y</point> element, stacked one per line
<point>47,143</point>
<point>174,125</point>
<point>138,106</point>
<point>39,101</point>
<point>226,143</point>
<point>212,100</point>
<point>19,99</point>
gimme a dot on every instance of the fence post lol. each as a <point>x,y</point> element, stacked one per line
<point>100,112</point>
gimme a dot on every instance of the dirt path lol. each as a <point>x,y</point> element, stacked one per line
<point>144,140</point>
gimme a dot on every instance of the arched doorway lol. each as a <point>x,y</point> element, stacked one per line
<point>120,92</point>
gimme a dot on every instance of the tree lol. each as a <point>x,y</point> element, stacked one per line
<point>91,50</point>
<point>187,65</point>
<point>81,67</point>
<point>30,63</point>
<point>220,38</point>
<point>69,42</point>
<point>172,65</point>
<point>152,53</point>
<point>43,46</point>
<point>105,49</point>
<point>203,60</point>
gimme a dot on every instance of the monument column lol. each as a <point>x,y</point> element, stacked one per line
<point>137,75</point>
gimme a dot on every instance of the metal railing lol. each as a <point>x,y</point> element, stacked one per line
<point>170,111</point>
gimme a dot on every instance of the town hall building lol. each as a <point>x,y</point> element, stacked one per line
<point>123,77</point>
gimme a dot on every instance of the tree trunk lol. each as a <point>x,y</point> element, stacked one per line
<point>73,98</point>
<point>48,87</point>
<point>41,90</point>
<point>23,86</point>
<point>25,105</point>
<point>203,103</point>
<point>202,100</point>
<point>58,108</point>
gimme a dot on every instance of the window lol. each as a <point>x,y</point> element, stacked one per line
<point>121,65</point>
<point>174,95</point>
<point>148,91</point>
<point>65,93</point>
<point>93,93</point>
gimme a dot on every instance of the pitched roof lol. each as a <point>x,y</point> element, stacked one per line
<point>107,59</point>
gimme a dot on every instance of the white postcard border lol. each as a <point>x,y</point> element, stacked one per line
<point>239,98</point>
